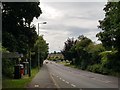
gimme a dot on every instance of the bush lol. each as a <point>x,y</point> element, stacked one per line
<point>96,68</point>
<point>102,61</point>
<point>109,61</point>
<point>7,64</point>
<point>7,67</point>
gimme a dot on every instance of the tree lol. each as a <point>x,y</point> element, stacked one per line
<point>41,48</point>
<point>110,25</point>
<point>83,57</point>
<point>110,35</point>
<point>54,52</point>
<point>83,41</point>
<point>18,33</point>
<point>67,53</point>
<point>95,50</point>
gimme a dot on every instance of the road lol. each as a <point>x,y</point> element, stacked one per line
<point>66,77</point>
<point>55,75</point>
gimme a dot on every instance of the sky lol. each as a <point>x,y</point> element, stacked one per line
<point>69,19</point>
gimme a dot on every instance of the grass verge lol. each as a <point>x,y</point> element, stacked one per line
<point>19,83</point>
<point>67,64</point>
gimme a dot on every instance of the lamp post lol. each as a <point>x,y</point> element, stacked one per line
<point>38,46</point>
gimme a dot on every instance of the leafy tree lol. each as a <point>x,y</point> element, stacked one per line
<point>76,51</point>
<point>110,36</point>
<point>67,53</point>
<point>83,57</point>
<point>95,50</point>
<point>18,33</point>
<point>84,41</point>
<point>55,52</point>
<point>41,48</point>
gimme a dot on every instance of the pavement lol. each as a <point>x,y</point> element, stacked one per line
<point>42,79</point>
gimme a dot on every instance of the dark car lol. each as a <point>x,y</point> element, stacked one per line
<point>46,62</point>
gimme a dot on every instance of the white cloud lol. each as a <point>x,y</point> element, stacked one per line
<point>69,20</point>
<point>77,0</point>
<point>55,39</point>
<point>82,23</point>
<point>50,13</point>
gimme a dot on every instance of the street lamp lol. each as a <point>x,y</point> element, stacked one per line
<point>39,24</point>
<point>38,46</point>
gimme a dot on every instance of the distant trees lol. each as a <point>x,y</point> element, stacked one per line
<point>54,56</point>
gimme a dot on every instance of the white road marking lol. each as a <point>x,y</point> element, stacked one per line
<point>73,85</point>
<point>93,78</point>
<point>107,81</point>
<point>57,76</point>
<point>36,85</point>
<point>60,78</point>
<point>63,80</point>
<point>55,83</point>
<point>67,82</point>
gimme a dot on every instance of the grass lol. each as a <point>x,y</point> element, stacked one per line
<point>19,83</point>
<point>67,64</point>
<point>62,62</point>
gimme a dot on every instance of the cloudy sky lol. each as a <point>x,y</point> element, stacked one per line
<point>69,19</point>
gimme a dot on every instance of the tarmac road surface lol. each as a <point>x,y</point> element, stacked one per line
<point>53,75</point>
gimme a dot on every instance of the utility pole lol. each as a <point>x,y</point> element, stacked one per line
<point>38,51</point>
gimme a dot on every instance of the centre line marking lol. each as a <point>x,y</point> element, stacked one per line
<point>63,80</point>
<point>36,85</point>
<point>67,82</point>
<point>73,85</point>
<point>55,83</point>
<point>107,81</point>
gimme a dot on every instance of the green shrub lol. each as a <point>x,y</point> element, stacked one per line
<point>109,61</point>
<point>95,68</point>
<point>7,67</point>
